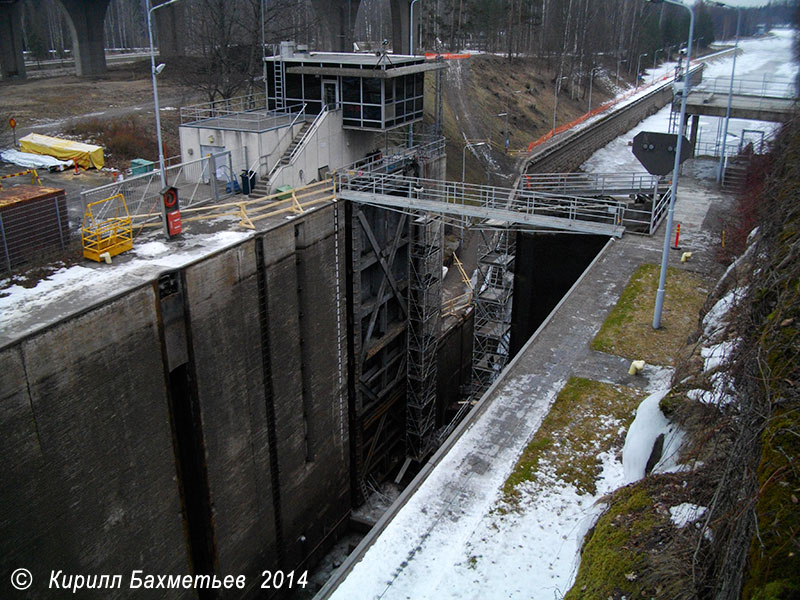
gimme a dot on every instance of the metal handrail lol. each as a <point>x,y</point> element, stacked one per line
<point>308,133</point>
<point>385,160</point>
<point>452,196</point>
<point>766,87</point>
<point>290,128</point>
<point>600,183</point>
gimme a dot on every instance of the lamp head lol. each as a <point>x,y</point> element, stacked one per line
<point>157,70</point>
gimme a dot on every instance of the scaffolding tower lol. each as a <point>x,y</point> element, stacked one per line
<point>424,329</point>
<point>493,296</point>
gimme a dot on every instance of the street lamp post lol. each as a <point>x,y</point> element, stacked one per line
<point>619,62</point>
<point>411,28</point>
<point>662,280</point>
<point>638,67</point>
<point>721,169</point>
<point>155,70</point>
<point>591,79</point>
<point>505,114</point>
<point>555,105</point>
<point>655,63</point>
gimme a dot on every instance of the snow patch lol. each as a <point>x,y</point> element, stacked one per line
<point>715,319</point>
<point>686,513</point>
<point>718,354</point>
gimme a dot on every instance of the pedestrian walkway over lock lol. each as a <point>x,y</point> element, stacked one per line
<point>595,184</point>
<point>527,208</point>
<point>760,100</point>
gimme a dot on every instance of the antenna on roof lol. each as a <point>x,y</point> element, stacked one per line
<point>383,54</point>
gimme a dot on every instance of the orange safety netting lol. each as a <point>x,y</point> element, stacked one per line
<point>603,107</point>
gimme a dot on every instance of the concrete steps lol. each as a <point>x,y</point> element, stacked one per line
<point>735,175</point>
<point>287,156</point>
<point>262,188</point>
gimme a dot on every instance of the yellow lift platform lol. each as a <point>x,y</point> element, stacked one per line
<point>112,235</point>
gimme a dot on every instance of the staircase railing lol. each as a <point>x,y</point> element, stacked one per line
<point>300,144</point>
<point>290,128</point>
<point>309,132</point>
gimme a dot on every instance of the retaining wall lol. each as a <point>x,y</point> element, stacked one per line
<point>199,419</point>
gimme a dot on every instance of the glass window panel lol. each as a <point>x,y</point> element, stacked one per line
<point>351,111</point>
<point>351,89</point>
<point>312,87</point>
<point>372,91</point>
<point>294,86</point>
<point>372,112</point>
<point>388,85</point>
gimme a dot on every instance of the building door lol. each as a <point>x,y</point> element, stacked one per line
<point>330,93</point>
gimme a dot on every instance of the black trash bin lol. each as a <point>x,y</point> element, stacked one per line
<point>246,179</point>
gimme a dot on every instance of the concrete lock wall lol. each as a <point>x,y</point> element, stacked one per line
<point>570,150</point>
<point>88,468</point>
<point>95,441</point>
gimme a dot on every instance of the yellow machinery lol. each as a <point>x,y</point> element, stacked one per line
<point>112,235</point>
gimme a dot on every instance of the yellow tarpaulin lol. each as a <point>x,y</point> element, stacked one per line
<point>86,155</point>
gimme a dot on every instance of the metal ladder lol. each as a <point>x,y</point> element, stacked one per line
<point>277,83</point>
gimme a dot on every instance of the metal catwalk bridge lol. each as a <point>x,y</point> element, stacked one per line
<point>762,100</point>
<point>506,206</point>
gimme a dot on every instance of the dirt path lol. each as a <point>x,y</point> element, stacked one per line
<point>48,105</point>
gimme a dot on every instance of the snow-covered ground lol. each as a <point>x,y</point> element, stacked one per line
<point>68,290</point>
<point>772,55</point>
<point>458,545</point>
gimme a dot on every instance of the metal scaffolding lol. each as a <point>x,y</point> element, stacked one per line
<point>493,296</point>
<point>424,330</point>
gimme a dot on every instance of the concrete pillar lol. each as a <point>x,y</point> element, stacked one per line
<point>12,63</point>
<point>86,19</point>
<point>401,15</point>
<point>171,30</point>
<point>339,19</point>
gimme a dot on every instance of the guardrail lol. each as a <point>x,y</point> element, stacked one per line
<point>558,211</point>
<point>279,147</point>
<point>596,183</point>
<point>393,158</point>
<point>202,180</point>
<point>765,87</point>
<point>221,108</point>
<point>308,133</point>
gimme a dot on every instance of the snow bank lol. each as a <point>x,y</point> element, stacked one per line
<point>722,391</point>
<point>649,423</point>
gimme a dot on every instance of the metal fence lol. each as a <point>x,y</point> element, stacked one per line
<point>38,231</point>
<point>222,108</point>
<point>765,87</point>
<point>211,178</point>
<point>396,154</point>
<point>34,229</point>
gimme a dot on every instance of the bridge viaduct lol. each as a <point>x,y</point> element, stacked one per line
<point>86,17</point>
